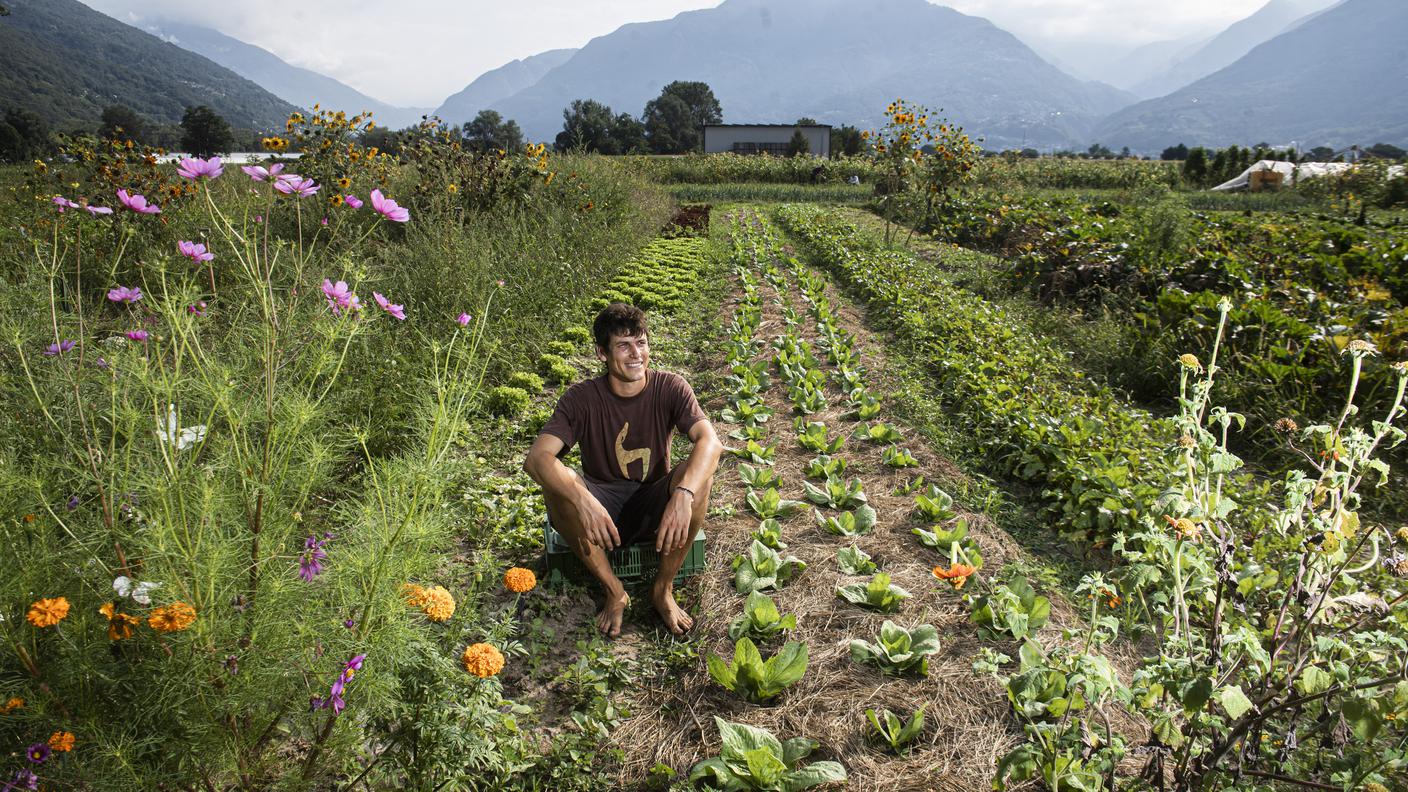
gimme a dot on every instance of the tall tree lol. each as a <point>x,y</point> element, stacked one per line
<point>121,122</point>
<point>490,131</point>
<point>204,133</point>
<point>1177,153</point>
<point>845,140</point>
<point>674,120</point>
<point>628,134</point>
<point>586,126</point>
<point>23,136</point>
<point>799,144</point>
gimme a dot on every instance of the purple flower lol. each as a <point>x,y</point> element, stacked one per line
<point>398,311</point>
<point>350,623</point>
<point>197,308</point>
<point>260,173</point>
<point>136,335</point>
<point>334,698</point>
<point>38,752</point>
<point>59,348</point>
<point>194,168</point>
<point>310,561</point>
<point>137,203</point>
<point>259,218</point>
<point>98,210</point>
<point>463,319</point>
<point>64,203</point>
<point>340,297</point>
<point>389,209</point>
<point>125,294</point>
<point>353,201</point>
<point>194,251</point>
<point>325,221</point>
<point>293,184</point>
<point>24,778</point>
<point>72,502</point>
<point>101,363</point>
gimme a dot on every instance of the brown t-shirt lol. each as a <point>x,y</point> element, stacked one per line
<point>624,438</point>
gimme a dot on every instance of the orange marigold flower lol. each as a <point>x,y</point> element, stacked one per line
<point>47,612</point>
<point>13,704</point>
<point>172,618</point>
<point>119,624</point>
<point>955,575</point>
<point>61,741</point>
<point>519,580</point>
<point>413,594</point>
<point>483,660</point>
<point>437,604</point>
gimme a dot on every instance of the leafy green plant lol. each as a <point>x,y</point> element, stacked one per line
<point>754,678</point>
<point>526,380</point>
<point>748,413</point>
<point>835,493</point>
<point>769,503</point>
<point>555,369</point>
<point>746,434</point>
<point>755,452</point>
<point>895,732</point>
<point>897,457</point>
<point>769,532</point>
<point>761,619</point>
<point>577,335</point>
<point>860,520</point>
<point>808,400</point>
<point>854,561</point>
<point>825,467</point>
<point>944,541</point>
<point>759,478</point>
<point>897,650</point>
<point>879,594</point>
<point>1012,610</point>
<point>878,433</point>
<point>812,436</point>
<point>753,759</point>
<point>934,505</point>
<point>506,401</point>
<point>764,568</point>
<point>862,408</point>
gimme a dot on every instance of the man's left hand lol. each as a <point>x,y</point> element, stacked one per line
<point>674,524</point>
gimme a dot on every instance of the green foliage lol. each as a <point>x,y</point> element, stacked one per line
<point>577,335</point>
<point>506,401</point>
<point>556,370</point>
<point>204,133</point>
<point>856,522</point>
<point>835,493</point>
<point>755,452</point>
<point>812,436</point>
<point>768,503</point>
<point>674,121</point>
<point>897,650</point>
<point>120,122</point>
<point>879,594</point>
<point>895,732</point>
<point>526,381</point>
<point>878,433</point>
<point>753,759</point>
<point>489,131</point>
<point>798,144</point>
<point>760,620</point>
<point>953,543</point>
<point>897,457</point>
<point>1012,610</point>
<point>589,126</point>
<point>763,568</point>
<point>769,532</point>
<point>934,505</point>
<point>759,478</point>
<point>755,679</point>
<point>826,467</point>
<point>854,561</point>
<point>562,349</point>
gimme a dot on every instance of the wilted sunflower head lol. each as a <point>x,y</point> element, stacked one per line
<point>1360,347</point>
<point>1190,361</point>
<point>1286,426</point>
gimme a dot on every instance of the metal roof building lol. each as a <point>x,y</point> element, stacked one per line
<point>765,138</point>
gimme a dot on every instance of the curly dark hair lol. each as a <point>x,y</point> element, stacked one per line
<point>618,319</point>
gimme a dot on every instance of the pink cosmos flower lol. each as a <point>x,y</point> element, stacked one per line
<point>193,168</point>
<point>353,201</point>
<point>99,210</point>
<point>64,203</point>
<point>136,335</point>
<point>389,209</point>
<point>58,348</point>
<point>197,308</point>
<point>260,173</point>
<point>463,319</point>
<point>125,294</point>
<point>194,251</point>
<point>340,297</point>
<point>398,311</point>
<point>296,185</point>
<point>137,203</point>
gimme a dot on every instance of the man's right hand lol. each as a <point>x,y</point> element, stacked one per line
<point>596,520</point>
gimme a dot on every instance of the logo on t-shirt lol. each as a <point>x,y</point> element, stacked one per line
<point>625,456</point>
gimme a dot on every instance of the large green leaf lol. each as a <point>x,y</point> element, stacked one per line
<point>814,774</point>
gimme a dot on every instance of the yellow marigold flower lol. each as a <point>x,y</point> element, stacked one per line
<point>13,704</point>
<point>955,576</point>
<point>437,604</point>
<point>47,612</point>
<point>61,741</point>
<point>483,660</point>
<point>344,182</point>
<point>172,618</point>
<point>413,594</point>
<point>119,624</point>
<point>1190,361</point>
<point>520,580</point>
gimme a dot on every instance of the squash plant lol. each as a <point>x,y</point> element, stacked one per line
<point>754,678</point>
<point>854,561</point>
<point>835,493</point>
<point>1011,610</point>
<point>753,759</point>
<point>952,543</point>
<point>934,505</point>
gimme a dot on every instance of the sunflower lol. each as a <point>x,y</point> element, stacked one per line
<point>344,182</point>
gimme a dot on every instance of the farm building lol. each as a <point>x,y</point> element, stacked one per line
<point>764,138</point>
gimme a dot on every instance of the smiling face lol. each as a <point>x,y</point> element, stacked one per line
<point>626,358</point>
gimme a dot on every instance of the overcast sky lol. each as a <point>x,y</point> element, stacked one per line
<point>368,43</point>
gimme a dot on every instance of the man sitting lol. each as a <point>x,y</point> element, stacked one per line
<point>627,491</point>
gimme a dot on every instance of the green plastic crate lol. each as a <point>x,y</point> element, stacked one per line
<point>635,563</point>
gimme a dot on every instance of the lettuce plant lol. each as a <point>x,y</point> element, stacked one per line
<point>879,594</point>
<point>755,452</point>
<point>835,493</point>
<point>812,436</point>
<point>849,523</point>
<point>754,678</point>
<point>952,543</point>
<point>760,620</point>
<point>878,433</point>
<point>824,467</point>
<point>1013,610</point>
<point>746,434</point>
<point>769,532</point>
<point>934,505</point>
<point>897,457</point>
<point>759,478</point>
<point>769,503</point>
<point>808,400</point>
<point>753,759</point>
<point>897,650</point>
<point>764,568</point>
<point>862,407</point>
<point>748,413</point>
<point>895,732</point>
<point>854,561</point>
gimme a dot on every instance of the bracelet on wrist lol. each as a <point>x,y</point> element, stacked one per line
<point>686,489</point>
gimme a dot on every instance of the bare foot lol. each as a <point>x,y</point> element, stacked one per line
<point>609,619</point>
<point>676,620</point>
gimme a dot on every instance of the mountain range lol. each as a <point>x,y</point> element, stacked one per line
<point>498,84</point>
<point>67,62</point>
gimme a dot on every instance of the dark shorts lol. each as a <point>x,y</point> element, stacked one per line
<point>635,507</point>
